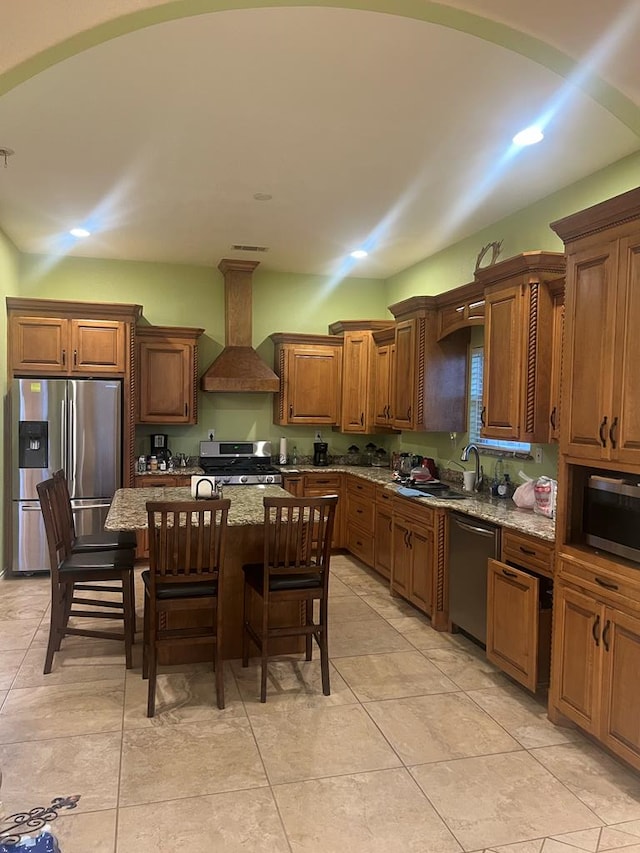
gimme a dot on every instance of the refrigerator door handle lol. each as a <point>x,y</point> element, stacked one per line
<point>100,505</point>
<point>63,435</point>
<point>31,508</point>
<point>71,469</point>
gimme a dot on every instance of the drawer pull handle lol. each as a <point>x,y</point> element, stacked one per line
<point>595,631</point>
<point>359,511</point>
<point>528,551</point>
<point>606,584</point>
<point>509,574</point>
<point>603,439</point>
<point>605,635</point>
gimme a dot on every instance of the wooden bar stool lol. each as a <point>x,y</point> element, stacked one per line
<point>297,552</point>
<point>82,572</point>
<point>186,559</point>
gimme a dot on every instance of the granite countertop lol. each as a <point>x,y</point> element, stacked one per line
<point>128,508</point>
<point>500,511</point>
<point>190,471</point>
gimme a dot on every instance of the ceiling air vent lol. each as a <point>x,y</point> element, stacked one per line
<point>240,248</point>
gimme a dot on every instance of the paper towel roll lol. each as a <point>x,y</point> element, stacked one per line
<point>283,451</point>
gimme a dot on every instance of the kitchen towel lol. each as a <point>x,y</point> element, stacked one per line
<point>412,493</point>
<point>283,451</point>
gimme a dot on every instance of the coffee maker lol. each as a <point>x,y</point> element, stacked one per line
<point>159,447</point>
<point>320,456</point>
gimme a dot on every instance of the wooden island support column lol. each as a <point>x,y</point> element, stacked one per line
<point>245,543</point>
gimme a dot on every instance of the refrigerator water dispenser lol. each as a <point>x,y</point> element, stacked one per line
<point>33,444</point>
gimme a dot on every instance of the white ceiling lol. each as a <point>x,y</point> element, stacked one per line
<point>364,127</point>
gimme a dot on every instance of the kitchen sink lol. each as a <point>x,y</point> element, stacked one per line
<point>445,494</point>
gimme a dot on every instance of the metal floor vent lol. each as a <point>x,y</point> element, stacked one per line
<point>240,248</point>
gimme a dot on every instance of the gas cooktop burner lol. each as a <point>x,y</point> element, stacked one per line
<point>239,462</point>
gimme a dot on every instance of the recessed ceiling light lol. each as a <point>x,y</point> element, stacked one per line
<point>528,136</point>
<point>359,253</point>
<point>262,196</point>
<point>80,232</point>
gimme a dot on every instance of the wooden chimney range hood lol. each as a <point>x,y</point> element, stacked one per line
<point>238,367</point>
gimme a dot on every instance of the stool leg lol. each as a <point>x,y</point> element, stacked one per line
<point>265,650</point>
<point>245,633</point>
<point>128,615</point>
<point>323,642</point>
<point>308,607</point>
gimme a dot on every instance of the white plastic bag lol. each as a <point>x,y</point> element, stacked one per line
<point>524,496</point>
<point>545,492</point>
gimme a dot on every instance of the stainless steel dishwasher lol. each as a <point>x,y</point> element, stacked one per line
<point>471,542</point>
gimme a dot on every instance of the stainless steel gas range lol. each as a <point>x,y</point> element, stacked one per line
<point>239,462</point>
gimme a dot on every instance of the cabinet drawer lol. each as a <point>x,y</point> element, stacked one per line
<point>605,584</point>
<point>384,496</point>
<point>329,484</point>
<point>360,543</point>
<point>413,512</point>
<point>361,488</point>
<point>158,481</point>
<point>361,512</point>
<point>528,552</point>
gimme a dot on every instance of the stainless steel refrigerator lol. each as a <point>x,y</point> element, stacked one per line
<point>73,424</point>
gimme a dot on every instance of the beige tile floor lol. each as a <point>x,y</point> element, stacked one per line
<point>422,746</point>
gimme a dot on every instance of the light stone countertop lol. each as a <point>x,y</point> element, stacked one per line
<point>128,508</point>
<point>500,511</point>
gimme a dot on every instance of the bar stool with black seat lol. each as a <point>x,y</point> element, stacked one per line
<point>106,571</point>
<point>297,553</point>
<point>104,540</point>
<point>186,559</point>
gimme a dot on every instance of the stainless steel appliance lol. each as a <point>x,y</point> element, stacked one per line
<point>73,424</point>
<point>239,462</point>
<point>471,543</point>
<point>611,515</point>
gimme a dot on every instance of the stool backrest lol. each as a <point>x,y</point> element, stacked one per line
<point>186,540</point>
<point>64,504</point>
<point>297,534</point>
<point>55,524</point>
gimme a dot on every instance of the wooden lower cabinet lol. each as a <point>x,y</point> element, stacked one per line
<point>519,599</point>
<point>383,547</point>
<point>518,627</point>
<point>596,661</point>
<point>413,553</point>
<point>329,483</point>
<point>151,481</point>
<point>360,518</point>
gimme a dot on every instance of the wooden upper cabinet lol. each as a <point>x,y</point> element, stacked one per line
<point>518,346</point>
<point>57,338</point>
<point>358,403</point>
<point>67,346</point>
<point>167,374</point>
<point>557,344</point>
<point>384,362</point>
<point>460,308</point>
<point>600,409</point>
<point>429,385</point>
<point>310,372</point>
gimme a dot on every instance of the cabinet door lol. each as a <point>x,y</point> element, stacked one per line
<point>621,665</point>
<point>401,557</point>
<point>316,485</point>
<point>512,622</point>
<point>165,383</point>
<point>39,345</point>
<point>383,539</point>
<point>382,389</point>
<point>355,382</point>
<point>421,550</point>
<point>502,363</point>
<point>556,367</point>
<point>313,388</point>
<point>404,406</point>
<point>97,346</point>
<point>293,483</point>
<point>588,369</point>
<point>577,635</point>
<point>624,431</point>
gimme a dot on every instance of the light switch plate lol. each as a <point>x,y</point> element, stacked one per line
<point>538,455</point>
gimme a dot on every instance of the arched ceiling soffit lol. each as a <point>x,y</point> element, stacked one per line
<point>145,13</point>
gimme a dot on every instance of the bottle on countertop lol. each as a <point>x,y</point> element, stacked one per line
<point>142,464</point>
<point>153,463</point>
<point>294,456</point>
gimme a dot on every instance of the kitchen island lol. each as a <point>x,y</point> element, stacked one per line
<point>244,544</point>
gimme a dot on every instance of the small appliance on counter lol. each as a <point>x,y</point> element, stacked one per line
<point>159,446</point>
<point>320,453</point>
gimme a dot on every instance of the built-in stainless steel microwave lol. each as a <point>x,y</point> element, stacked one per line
<point>611,520</point>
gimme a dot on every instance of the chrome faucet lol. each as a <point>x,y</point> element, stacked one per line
<point>464,457</point>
